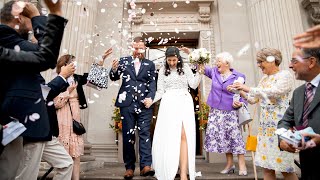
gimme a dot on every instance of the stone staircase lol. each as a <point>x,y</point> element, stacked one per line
<point>208,171</point>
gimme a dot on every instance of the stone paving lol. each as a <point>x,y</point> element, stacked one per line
<point>209,171</point>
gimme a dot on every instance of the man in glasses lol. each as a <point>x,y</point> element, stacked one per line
<point>304,109</point>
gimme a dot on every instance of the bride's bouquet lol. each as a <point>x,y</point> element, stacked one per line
<point>199,56</point>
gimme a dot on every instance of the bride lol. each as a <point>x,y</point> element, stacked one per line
<point>174,136</point>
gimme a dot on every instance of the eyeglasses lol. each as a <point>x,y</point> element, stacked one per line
<point>260,62</point>
<point>295,60</point>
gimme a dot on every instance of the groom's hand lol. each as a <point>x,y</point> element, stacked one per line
<point>147,102</point>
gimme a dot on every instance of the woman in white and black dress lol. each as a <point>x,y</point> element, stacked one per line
<point>175,131</point>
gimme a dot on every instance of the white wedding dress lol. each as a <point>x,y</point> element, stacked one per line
<point>176,109</point>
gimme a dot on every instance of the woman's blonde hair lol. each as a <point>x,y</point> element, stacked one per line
<point>269,53</point>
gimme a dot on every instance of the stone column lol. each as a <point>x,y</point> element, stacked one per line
<point>274,23</point>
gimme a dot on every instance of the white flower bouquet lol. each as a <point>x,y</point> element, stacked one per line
<point>199,56</point>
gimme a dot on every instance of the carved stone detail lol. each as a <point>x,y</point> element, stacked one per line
<point>313,9</point>
<point>159,19</point>
<point>138,17</point>
<point>204,12</point>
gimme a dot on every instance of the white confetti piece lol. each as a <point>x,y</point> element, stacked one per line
<point>44,11</point>
<point>50,103</point>
<point>239,4</point>
<point>175,5</point>
<point>256,45</point>
<point>34,117</point>
<point>113,42</point>
<point>37,101</point>
<point>243,50</point>
<point>17,48</point>
<point>90,101</point>
<point>103,10</point>
<point>198,174</point>
<point>96,95</point>
<point>122,97</point>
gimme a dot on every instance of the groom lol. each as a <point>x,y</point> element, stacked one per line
<point>138,83</point>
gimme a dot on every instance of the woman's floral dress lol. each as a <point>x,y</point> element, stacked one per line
<point>273,92</point>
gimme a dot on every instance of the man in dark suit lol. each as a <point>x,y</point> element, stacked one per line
<point>138,83</point>
<point>21,85</point>
<point>304,109</point>
<point>28,63</point>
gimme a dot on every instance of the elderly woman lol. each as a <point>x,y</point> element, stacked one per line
<point>223,134</point>
<point>272,92</point>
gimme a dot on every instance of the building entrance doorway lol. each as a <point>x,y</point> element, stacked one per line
<point>156,53</point>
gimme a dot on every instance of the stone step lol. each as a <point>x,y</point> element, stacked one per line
<point>209,171</point>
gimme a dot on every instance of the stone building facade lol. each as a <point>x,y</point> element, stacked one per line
<point>240,27</point>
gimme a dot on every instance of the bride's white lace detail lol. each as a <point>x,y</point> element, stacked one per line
<point>176,81</point>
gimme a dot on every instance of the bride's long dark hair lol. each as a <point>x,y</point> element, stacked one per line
<point>173,51</point>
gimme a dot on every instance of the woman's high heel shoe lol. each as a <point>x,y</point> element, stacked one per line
<point>243,173</point>
<point>227,171</point>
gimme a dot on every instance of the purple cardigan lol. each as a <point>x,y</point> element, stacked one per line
<point>219,97</point>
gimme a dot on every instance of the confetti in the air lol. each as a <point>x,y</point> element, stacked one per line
<point>243,50</point>
<point>17,48</point>
<point>34,117</point>
<point>37,101</point>
<point>50,103</point>
<point>175,5</point>
<point>239,4</point>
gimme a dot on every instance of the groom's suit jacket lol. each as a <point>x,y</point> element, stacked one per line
<point>134,87</point>
<point>309,159</point>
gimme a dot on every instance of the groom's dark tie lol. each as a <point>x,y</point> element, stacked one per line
<point>306,107</point>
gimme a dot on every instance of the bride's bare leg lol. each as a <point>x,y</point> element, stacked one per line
<point>183,156</point>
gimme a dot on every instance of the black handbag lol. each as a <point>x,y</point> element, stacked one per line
<point>77,127</point>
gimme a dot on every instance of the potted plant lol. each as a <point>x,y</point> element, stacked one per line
<point>117,120</point>
<point>203,115</point>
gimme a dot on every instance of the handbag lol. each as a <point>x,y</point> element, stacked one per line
<point>244,115</point>
<point>252,140</point>
<point>98,76</point>
<point>77,127</point>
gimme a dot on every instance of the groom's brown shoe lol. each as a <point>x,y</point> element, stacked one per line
<point>147,171</point>
<point>128,175</point>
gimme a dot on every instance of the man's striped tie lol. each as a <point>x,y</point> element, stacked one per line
<point>306,107</point>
